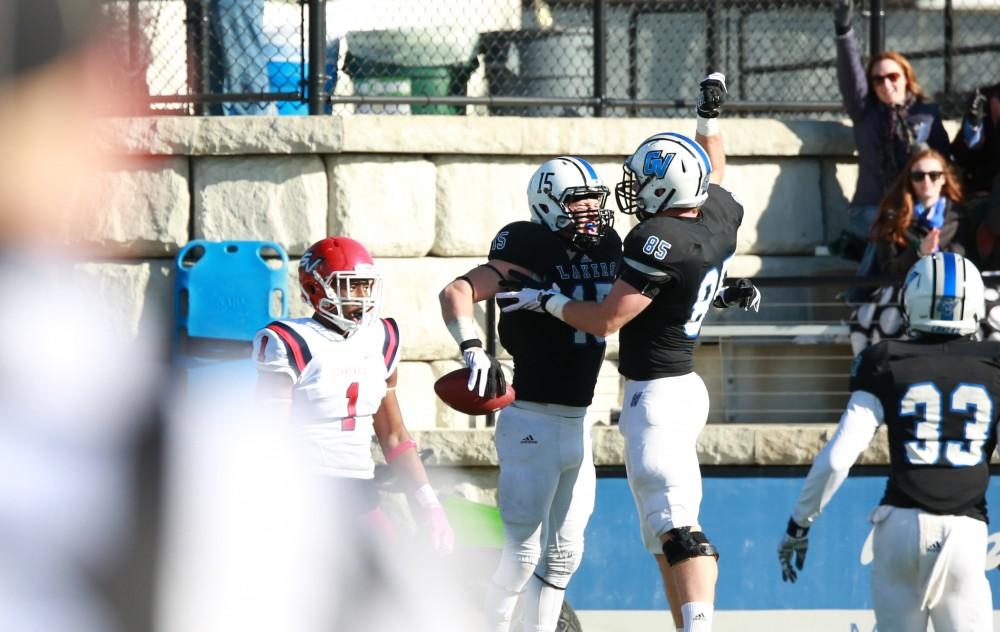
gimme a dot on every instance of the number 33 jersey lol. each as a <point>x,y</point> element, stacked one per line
<point>680,263</point>
<point>338,385</point>
<point>941,401</point>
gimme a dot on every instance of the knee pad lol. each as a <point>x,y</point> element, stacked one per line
<point>685,544</point>
<point>558,569</point>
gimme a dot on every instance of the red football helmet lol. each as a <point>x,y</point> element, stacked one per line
<point>338,277</point>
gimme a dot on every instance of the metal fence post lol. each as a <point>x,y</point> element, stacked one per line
<point>317,56</point>
<point>949,44</point>
<point>712,31</point>
<point>877,34</point>
<point>600,56</point>
<point>491,345</point>
<point>196,34</point>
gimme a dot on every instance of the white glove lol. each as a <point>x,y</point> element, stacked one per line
<point>794,543</point>
<point>530,299</point>
<point>484,371</point>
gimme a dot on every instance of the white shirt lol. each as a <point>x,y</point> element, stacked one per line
<point>338,385</point>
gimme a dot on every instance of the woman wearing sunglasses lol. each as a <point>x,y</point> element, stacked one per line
<point>891,119</point>
<point>920,215</point>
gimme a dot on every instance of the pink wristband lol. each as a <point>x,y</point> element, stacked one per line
<point>400,448</point>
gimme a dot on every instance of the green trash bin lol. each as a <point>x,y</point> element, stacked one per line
<point>412,62</point>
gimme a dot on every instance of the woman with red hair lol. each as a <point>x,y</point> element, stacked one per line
<point>920,215</point>
<point>892,119</point>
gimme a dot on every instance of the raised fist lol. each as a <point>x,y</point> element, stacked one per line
<point>713,95</point>
<point>842,16</point>
<point>977,108</point>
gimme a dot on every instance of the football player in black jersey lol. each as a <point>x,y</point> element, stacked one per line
<point>937,396</point>
<point>673,264</point>
<point>547,477</point>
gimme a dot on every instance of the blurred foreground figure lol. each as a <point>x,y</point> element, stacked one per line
<point>113,516</point>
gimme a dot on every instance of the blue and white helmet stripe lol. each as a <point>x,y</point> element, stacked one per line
<point>943,294</point>
<point>695,147</point>
<point>592,176</point>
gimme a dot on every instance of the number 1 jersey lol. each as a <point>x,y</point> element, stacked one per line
<point>337,385</point>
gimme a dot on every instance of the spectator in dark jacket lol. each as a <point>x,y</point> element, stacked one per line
<point>891,117</point>
<point>977,145</point>
<point>920,215</point>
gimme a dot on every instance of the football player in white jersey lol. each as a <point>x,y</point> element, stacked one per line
<point>335,374</point>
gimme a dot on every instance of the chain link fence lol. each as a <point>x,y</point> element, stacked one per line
<point>533,57</point>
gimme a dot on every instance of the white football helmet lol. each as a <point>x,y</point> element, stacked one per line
<point>560,181</point>
<point>943,294</point>
<point>666,171</point>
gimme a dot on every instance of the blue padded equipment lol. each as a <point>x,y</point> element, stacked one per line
<point>223,294</point>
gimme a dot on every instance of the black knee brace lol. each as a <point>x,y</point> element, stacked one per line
<point>685,544</point>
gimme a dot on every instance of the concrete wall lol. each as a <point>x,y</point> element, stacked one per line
<point>426,195</point>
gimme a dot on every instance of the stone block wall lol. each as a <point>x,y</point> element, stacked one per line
<point>426,195</point>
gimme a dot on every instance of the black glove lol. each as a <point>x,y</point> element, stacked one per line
<point>842,16</point>
<point>977,108</point>
<point>794,543</point>
<point>713,95</point>
<point>744,294</point>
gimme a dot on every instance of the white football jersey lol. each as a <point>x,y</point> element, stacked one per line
<point>338,382</point>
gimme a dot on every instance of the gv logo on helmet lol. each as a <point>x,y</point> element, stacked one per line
<point>309,263</point>
<point>655,163</point>
<point>946,307</point>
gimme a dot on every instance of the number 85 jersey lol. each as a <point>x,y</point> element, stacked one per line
<point>940,400</point>
<point>337,385</point>
<point>680,263</point>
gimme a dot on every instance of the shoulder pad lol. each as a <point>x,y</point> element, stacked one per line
<point>520,242</point>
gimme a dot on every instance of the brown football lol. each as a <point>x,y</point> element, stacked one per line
<point>453,390</point>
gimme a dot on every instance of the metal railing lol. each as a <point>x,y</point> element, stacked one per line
<point>788,363</point>
<point>531,57</point>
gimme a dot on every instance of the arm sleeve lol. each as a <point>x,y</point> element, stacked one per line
<point>893,259</point>
<point>270,355</point>
<point>939,135</point>
<point>830,468</point>
<point>851,75</point>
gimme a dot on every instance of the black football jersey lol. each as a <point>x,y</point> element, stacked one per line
<point>939,398</point>
<point>680,263</point>
<point>553,362</point>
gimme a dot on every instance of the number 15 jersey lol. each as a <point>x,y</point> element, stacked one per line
<point>680,263</point>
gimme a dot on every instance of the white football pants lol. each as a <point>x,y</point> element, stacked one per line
<point>661,420</point>
<point>929,566</point>
<point>547,485</point>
